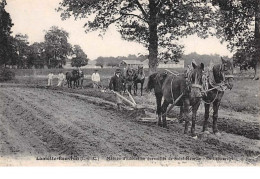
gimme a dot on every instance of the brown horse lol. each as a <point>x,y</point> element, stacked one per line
<point>139,77</point>
<point>183,90</point>
<point>219,78</point>
<point>73,76</point>
<point>128,79</point>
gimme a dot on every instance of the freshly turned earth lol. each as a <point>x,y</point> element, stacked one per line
<point>38,122</point>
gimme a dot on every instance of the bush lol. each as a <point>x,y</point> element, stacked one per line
<point>6,74</point>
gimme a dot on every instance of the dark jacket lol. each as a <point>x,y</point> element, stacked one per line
<point>116,83</point>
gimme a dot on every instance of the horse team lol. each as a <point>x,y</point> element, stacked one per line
<point>131,79</point>
<point>186,90</point>
<point>75,76</point>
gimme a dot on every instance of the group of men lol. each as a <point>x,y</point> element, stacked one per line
<point>115,84</point>
<point>61,79</point>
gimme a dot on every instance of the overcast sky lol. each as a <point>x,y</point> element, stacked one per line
<point>32,17</point>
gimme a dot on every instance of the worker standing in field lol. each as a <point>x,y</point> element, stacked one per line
<point>61,78</point>
<point>116,84</point>
<point>50,79</point>
<point>95,79</point>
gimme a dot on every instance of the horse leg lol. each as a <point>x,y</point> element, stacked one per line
<point>164,109</point>
<point>181,114</point>
<point>82,83</point>
<point>142,85</point>
<point>130,89</point>
<point>135,88</point>
<point>159,108</point>
<point>215,116</point>
<point>206,117</point>
<point>186,105</point>
<point>74,84</point>
<point>124,87</point>
<point>194,113</point>
<point>77,83</point>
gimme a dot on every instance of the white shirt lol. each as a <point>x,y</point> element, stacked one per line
<point>95,77</point>
<point>61,76</point>
<point>50,76</point>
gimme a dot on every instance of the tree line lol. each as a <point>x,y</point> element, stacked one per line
<point>157,24</point>
<point>51,53</point>
<point>114,61</point>
<point>188,58</point>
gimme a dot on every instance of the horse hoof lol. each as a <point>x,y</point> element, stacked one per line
<point>165,126</point>
<point>218,134</point>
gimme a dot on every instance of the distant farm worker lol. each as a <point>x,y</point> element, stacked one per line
<point>61,78</point>
<point>116,84</point>
<point>50,78</point>
<point>95,79</point>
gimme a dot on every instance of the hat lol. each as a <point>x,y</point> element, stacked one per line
<point>118,70</point>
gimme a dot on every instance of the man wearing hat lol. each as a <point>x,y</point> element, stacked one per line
<point>116,84</point>
<point>95,79</point>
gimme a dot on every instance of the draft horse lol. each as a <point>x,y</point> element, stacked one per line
<point>217,80</point>
<point>183,90</point>
<point>81,79</point>
<point>72,76</point>
<point>128,79</point>
<point>139,77</point>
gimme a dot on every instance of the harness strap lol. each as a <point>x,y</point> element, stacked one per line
<point>158,80</point>
<point>196,86</point>
<point>211,101</point>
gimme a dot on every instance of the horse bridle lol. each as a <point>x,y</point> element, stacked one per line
<point>196,85</point>
<point>225,77</point>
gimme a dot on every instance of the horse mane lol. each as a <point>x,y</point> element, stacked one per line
<point>217,73</point>
<point>156,79</point>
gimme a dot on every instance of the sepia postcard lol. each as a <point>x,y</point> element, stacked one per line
<point>129,83</point>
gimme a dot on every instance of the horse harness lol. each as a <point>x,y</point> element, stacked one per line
<point>209,80</point>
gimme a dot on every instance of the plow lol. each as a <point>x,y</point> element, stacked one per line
<point>131,102</point>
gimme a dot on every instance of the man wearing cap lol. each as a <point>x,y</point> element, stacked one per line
<point>116,84</point>
<point>95,79</point>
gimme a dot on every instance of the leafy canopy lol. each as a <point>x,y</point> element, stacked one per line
<point>174,19</point>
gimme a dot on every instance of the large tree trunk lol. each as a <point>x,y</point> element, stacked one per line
<point>257,40</point>
<point>153,38</point>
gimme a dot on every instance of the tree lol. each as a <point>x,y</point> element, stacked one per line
<point>21,45</point>
<point>157,24</point>
<point>57,47</point>
<point>238,22</point>
<point>80,58</point>
<point>100,62</point>
<point>37,55</point>
<point>6,48</point>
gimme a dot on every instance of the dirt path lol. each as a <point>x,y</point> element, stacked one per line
<point>40,122</point>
